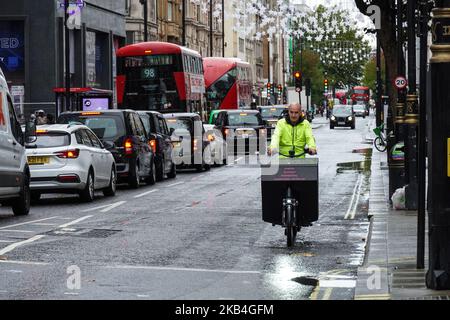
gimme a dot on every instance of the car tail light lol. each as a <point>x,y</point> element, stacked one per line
<point>68,154</point>
<point>211,137</point>
<point>128,145</point>
<point>68,178</point>
<point>152,144</point>
<point>195,144</point>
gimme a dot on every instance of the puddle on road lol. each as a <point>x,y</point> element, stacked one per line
<point>360,166</point>
<point>306,281</point>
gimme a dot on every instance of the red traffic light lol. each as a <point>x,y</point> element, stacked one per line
<point>325,82</point>
<point>297,74</point>
<point>269,85</point>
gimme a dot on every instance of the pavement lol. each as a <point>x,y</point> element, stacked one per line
<point>389,270</point>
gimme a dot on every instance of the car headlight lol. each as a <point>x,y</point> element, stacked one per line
<point>333,118</point>
<point>350,118</point>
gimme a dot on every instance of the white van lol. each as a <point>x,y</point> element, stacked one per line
<point>14,171</point>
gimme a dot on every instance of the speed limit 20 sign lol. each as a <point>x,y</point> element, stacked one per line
<point>400,82</point>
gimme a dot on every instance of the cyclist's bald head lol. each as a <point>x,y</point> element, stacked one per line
<point>295,111</point>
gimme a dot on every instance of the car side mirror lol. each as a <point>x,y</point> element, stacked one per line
<point>108,145</point>
<point>30,132</point>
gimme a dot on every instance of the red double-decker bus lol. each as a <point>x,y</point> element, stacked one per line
<point>228,82</point>
<point>160,76</point>
<point>360,93</point>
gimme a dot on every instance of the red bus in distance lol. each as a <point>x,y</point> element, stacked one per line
<point>160,76</point>
<point>360,93</point>
<point>228,83</point>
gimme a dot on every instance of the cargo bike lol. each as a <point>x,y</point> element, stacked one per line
<point>290,196</point>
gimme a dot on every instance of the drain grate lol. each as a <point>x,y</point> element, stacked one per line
<point>82,233</point>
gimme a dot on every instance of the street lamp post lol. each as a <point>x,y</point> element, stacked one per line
<point>411,114</point>
<point>438,275</point>
<point>67,54</point>
<point>379,83</point>
<point>211,34</point>
<point>183,23</point>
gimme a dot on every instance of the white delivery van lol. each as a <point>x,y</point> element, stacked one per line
<point>14,171</point>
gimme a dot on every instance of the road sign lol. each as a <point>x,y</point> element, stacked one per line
<point>400,82</point>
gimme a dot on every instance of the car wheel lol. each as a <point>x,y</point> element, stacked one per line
<point>161,170</point>
<point>110,191</point>
<point>134,178</point>
<point>173,171</point>
<point>151,179</point>
<point>87,195</point>
<point>21,205</point>
<point>331,127</point>
<point>199,167</point>
<point>353,127</point>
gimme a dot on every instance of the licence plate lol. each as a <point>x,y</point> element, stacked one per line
<point>341,123</point>
<point>38,160</point>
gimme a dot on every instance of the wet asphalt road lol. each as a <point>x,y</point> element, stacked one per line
<point>199,236</point>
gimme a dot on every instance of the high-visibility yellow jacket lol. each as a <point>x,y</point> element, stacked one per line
<point>288,137</point>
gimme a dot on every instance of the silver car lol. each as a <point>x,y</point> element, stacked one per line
<point>69,158</point>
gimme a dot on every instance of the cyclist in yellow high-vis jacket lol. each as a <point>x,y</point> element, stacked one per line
<point>293,132</point>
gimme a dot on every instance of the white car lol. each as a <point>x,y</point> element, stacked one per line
<point>217,146</point>
<point>69,158</point>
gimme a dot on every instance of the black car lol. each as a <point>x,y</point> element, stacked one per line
<point>271,115</point>
<point>242,128</point>
<point>191,150</point>
<point>342,116</point>
<point>159,134</point>
<point>123,134</point>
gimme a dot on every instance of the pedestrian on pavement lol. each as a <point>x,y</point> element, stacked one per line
<point>292,134</point>
<point>41,118</point>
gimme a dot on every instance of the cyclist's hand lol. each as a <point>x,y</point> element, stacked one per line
<point>312,151</point>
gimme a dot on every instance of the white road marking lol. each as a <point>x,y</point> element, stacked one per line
<point>6,241</point>
<point>337,283</point>
<point>182,269</point>
<point>14,271</point>
<point>74,222</point>
<point>175,184</point>
<point>71,293</point>
<point>25,262</point>
<point>106,207</point>
<point>45,224</point>
<point>145,193</point>
<point>143,296</point>
<point>13,246</point>
<point>356,193</point>
<point>114,205</point>
<point>22,231</point>
<point>29,222</point>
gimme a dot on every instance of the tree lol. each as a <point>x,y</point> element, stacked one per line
<point>342,52</point>
<point>387,38</point>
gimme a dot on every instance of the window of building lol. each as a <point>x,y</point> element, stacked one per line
<point>241,45</point>
<point>130,37</point>
<point>169,11</point>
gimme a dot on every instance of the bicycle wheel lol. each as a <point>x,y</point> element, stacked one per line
<point>379,144</point>
<point>290,229</point>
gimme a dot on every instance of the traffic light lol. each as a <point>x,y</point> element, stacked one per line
<point>280,89</point>
<point>325,85</point>
<point>269,90</point>
<point>308,87</point>
<point>298,81</point>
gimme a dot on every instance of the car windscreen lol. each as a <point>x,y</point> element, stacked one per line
<point>243,118</point>
<point>359,107</point>
<point>105,126</point>
<point>342,111</point>
<point>180,124</point>
<point>267,113</point>
<point>51,140</point>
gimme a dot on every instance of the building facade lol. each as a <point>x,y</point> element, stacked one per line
<point>170,21</point>
<point>198,30</point>
<point>33,54</point>
<point>135,21</point>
